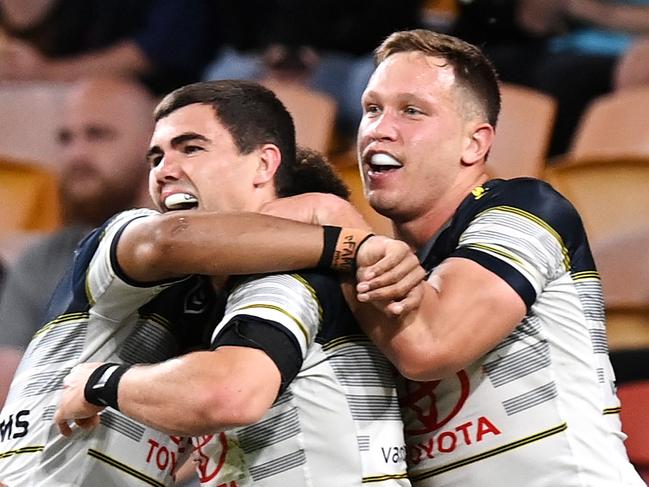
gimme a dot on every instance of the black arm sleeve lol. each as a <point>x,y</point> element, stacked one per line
<point>269,336</point>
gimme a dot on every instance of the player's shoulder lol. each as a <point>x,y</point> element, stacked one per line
<point>527,197</point>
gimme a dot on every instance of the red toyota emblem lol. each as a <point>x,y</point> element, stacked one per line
<point>207,467</point>
<point>421,400</point>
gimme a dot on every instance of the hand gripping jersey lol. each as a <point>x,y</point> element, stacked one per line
<point>540,408</point>
<point>336,421</point>
<point>97,314</point>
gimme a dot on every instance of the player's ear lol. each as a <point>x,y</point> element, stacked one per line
<point>479,140</point>
<point>270,158</point>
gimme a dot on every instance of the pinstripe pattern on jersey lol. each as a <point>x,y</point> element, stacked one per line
<point>48,413</point>
<point>148,343</point>
<point>599,339</point>
<point>280,298</point>
<point>60,344</point>
<point>591,298</point>
<point>45,382</point>
<point>530,399</point>
<point>354,364</point>
<point>518,364</point>
<point>363,442</point>
<point>269,431</point>
<point>122,424</point>
<point>536,221</point>
<point>278,465</point>
<point>529,328</point>
<point>367,407</point>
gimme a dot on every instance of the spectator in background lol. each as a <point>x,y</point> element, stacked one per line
<point>326,45</point>
<point>568,49</point>
<point>164,42</point>
<point>633,69</point>
<point>104,135</point>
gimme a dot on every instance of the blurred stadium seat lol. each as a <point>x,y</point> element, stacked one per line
<point>30,198</point>
<point>29,113</point>
<point>614,125</point>
<point>523,133</point>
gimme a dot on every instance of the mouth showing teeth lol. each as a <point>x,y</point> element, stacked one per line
<point>180,201</point>
<point>383,162</point>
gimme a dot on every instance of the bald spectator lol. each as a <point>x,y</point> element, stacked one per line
<point>103,136</point>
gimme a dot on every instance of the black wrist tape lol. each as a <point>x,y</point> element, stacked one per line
<point>101,388</point>
<point>330,237</point>
<point>341,246</point>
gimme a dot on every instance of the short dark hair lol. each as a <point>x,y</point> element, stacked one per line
<point>252,114</point>
<point>473,70</point>
<point>311,173</point>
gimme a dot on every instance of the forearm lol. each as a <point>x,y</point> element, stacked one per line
<point>199,393</point>
<point>452,326</point>
<point>177,244</point>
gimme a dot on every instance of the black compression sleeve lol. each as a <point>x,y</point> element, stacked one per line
<point>269,336</point>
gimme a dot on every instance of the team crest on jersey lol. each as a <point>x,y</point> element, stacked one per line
<point>215,457</point>
<point>421,405</point>
<point>478,192</point>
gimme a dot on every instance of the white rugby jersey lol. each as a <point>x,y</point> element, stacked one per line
<point>337,423</point>
<point>540,409</point>
<point>97,314</point>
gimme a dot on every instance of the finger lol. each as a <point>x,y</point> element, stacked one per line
<point>64,428</point>
<point>388,270</point>
<point>393,289</point>
<point>410,302</point>
<point>88,423</point>
<point>370,280</point>
<point>381,253</point>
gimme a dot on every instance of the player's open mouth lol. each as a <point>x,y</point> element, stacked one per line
<point>383,162</point>
<point>180,201</point>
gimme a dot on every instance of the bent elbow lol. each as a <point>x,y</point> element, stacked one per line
<point>220,411</point>
<point>427,365</point>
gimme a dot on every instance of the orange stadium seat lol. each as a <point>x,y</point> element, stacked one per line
<point>523,133</point>
<point>613,126</point>
<point>623,264</point>
<point>612,196</point>
<point>29,114</point>
<point>29,196</point>
<point>314,114</point>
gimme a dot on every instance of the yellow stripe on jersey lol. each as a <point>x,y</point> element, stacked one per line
<point>381,478</point>
<point>281,310</point>
<point>541,223</point>
<point>585,275</point>
<point>345,340</point>
<point>495,251</point>
<point>124,468</point>
<point>67,318</point>
<point>490,453</point>
<point>615,410</point>
<point>18,451</point>
<point>312,292</point>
